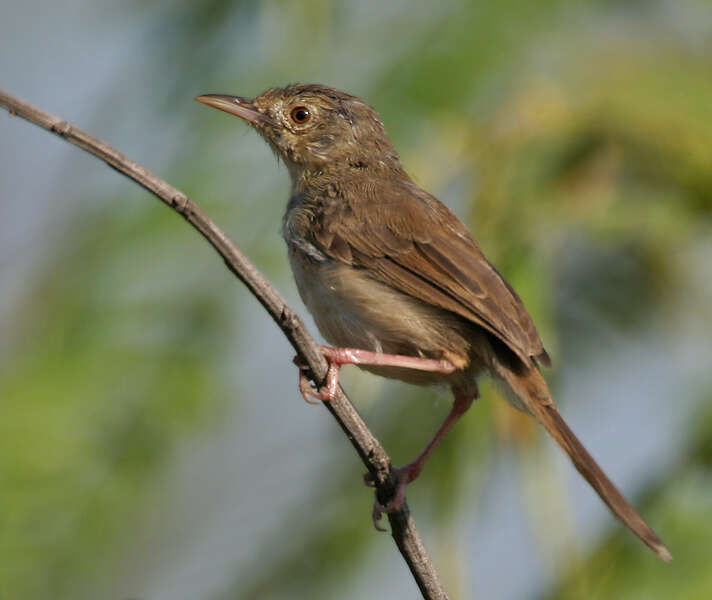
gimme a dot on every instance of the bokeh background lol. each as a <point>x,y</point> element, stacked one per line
<point>153,444</point>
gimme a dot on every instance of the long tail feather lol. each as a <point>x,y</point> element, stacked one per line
<point>530,388</point>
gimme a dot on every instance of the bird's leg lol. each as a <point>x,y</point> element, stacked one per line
<point>408,473</point>
<point>336,357</point>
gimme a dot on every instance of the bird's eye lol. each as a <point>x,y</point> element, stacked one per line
<point>300,114</point>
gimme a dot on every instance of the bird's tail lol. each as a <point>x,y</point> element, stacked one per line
<point>529,387</point>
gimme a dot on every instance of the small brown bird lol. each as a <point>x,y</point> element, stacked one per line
<point>394,280</point>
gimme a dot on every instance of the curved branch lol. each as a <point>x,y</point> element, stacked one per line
<point>368,447</point>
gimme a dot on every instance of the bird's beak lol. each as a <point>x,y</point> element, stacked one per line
<point>235,105</point>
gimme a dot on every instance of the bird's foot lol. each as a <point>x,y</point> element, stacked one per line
<point>327,392</point>
<point>305,388</point>
<point>403,476</point>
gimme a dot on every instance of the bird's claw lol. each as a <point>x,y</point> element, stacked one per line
<point>306,390</point>
<point>305,387</point>
<point>325,393</point>
<point>376,515</point>
<point>403,477</point>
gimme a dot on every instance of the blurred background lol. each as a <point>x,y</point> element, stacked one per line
<point>153,444</point>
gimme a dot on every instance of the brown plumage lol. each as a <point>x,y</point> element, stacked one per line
<point>388,270</point>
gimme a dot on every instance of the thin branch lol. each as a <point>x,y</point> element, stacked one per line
<point>368,447</point>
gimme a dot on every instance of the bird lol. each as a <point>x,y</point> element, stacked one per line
<point>394,280</point>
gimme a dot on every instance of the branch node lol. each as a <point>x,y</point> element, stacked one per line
<point>288,318</point>
<point>180,202</point>
<point>61,128</point>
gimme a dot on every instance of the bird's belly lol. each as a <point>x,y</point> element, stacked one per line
<point>353,310</point>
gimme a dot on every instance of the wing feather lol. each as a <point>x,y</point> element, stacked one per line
<point>409,240</point>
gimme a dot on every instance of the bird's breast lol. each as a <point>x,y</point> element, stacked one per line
<point>353,310</point>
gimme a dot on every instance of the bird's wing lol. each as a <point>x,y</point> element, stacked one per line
<point>411,241</point>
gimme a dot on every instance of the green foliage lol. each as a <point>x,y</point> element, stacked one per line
<point>111,366</point>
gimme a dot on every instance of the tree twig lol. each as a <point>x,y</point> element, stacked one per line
<point>368,447</point>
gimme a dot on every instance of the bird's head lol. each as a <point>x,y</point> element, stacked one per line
<point>314,127</point>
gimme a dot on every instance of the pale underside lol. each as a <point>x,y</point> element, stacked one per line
<point>353,310</point>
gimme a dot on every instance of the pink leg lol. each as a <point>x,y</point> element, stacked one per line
<point>410,472</point>
<point>337,357</point>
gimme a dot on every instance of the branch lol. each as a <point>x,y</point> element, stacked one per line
<point>368,447</point>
